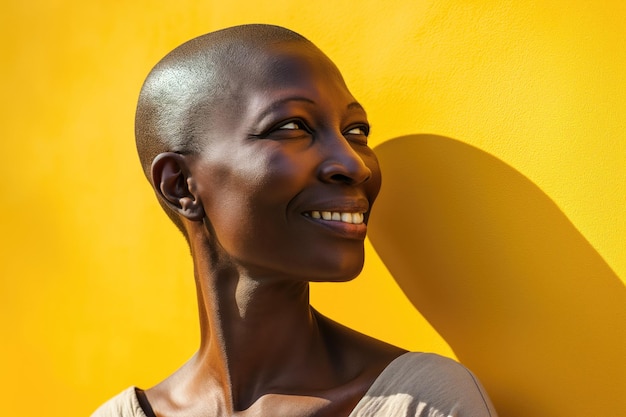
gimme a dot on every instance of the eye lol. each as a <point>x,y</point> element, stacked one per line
<point>293,125</point>
<point>357,133</point>
<point>287,129</point>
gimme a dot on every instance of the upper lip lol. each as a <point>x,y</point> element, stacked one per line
<point>339,204</point>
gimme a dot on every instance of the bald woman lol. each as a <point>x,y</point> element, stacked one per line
<point>258,152</point>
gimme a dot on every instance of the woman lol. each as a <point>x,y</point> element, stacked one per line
<point>258,152</point>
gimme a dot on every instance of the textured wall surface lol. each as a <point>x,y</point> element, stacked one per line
<point>532,91</point>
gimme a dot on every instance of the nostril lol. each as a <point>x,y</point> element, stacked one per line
<point>341,178</point>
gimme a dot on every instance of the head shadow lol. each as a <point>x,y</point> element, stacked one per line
<point>508,281</point>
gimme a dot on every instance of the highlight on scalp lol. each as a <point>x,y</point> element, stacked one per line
<point>193,78</point>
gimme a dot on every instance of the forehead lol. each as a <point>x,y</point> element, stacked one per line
<point>291,62</point>
<point>254,81</point>
<point>281,66</point>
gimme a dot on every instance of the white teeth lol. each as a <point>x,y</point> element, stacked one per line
<point>345,217</point>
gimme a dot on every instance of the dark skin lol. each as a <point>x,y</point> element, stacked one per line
<point>286,148</point>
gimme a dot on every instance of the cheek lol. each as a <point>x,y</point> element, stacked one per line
<point>250,196</point>
<point>285,175</point>
<point>278,172</point>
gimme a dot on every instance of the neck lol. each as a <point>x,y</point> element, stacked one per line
<point>257,334</point>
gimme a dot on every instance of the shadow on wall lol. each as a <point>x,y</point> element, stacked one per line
<point>508,281</point>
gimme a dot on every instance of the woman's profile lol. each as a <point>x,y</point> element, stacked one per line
<point>258,152</point>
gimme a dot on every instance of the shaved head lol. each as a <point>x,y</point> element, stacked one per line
<point>195,77</point>
<point>200,77</point>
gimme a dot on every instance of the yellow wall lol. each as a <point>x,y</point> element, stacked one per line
<point>88,306</point>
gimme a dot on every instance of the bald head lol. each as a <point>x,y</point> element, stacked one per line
<point>194,78</point>
<point>198,80</point>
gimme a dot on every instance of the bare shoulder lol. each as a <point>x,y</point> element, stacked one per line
<point>393,380</point>
<point>358,348</point>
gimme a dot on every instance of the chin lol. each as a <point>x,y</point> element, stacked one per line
<point>344,273</point>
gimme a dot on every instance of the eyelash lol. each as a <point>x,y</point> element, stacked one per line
<point>364,128</point>
<point>300,125</point>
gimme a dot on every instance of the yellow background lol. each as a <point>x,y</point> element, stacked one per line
<point>96,286</point>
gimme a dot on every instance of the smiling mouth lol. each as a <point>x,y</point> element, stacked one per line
<point>337,216</point>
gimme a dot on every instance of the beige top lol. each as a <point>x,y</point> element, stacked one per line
<point>425,385</point>
<point>414,384</point>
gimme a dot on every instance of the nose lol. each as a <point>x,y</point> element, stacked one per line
<point>342,163</point>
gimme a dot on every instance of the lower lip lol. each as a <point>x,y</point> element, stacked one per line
<point>346,230</point>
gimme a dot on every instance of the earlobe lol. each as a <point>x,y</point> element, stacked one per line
<point>170,181</point>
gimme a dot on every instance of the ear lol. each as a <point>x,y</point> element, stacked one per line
<point>169,173</point>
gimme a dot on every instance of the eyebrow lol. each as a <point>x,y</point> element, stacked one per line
<point>355,105</point>
<point>278,103</point>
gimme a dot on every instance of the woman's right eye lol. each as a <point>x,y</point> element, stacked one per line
<point>288,129</point>
<point>291,126</point>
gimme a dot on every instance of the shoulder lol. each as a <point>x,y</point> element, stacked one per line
<point>124,404</point>
<point>414,369</point>
<point>425,384</point>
